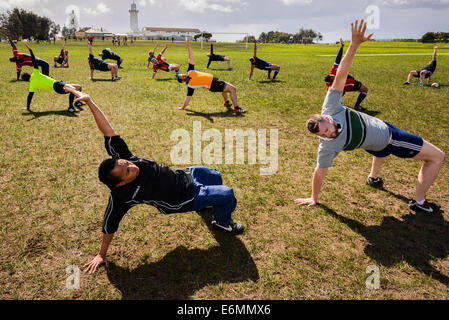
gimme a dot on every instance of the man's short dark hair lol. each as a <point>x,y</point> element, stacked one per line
<point>13,59</point>
<point>25,76</point>
<point>179,79</point>
<point>104,173</point>
<point>313,123</point>
<point>329,78</point>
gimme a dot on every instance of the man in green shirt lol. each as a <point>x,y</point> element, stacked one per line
<point>39,81</point>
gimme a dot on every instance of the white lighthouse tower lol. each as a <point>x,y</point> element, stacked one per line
<point>134,22</point>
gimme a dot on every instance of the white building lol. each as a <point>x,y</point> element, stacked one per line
<point>153,33</point>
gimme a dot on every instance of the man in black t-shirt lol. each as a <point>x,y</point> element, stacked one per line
<point>217,57</point>
<point>98,64</point>
<point>109,54</point>
<point>134,180</point>
<point>426,72</point>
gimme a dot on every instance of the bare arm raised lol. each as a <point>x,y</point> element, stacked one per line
<point>358,37</point>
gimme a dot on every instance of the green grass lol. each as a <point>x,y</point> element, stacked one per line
<point>52,204</point>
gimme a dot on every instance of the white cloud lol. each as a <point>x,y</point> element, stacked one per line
<point>300,2</point>
<point>100,9</point>
<point>201,6</point>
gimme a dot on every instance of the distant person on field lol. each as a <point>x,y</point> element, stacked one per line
<point>341,128</point>
<point>63,58</point>
<point>426,72</point>
<point>351,83</point>
<point>216,57</point>
<point>160,63</point>
<point>98,64</point>
<point>23,59</point>
<point>195,79</point>
<point>263,65</point>
<point>133,180</point>
<point>39,81</point>
<point>109,54</point>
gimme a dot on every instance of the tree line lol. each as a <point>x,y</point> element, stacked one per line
<point>305,36</point>
<point>22,24</point>
<point>432,37</point>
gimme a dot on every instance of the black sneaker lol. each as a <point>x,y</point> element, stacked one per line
<point>426,206</point>
<point>359,108</point>
<point>406,83</point>
<point>233,227</point>
<point>375,182</point>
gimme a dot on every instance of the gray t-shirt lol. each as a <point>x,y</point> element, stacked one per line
<point>377,132</point>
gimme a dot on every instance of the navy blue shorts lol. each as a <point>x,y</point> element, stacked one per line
<point>428,73</point>
<point>402,145</point>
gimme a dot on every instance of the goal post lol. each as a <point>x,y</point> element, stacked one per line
<point>225,33</point>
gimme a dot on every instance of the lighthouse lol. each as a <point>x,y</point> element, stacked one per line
<point>134,23</point>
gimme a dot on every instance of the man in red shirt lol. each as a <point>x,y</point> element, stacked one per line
<point>159,63</point>
<point>23,59</point>
<point>351,83</point>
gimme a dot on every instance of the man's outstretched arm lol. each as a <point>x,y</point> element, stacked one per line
<point>33,58</point>
<point>189,49</point>
<point>163,50</point>
<point>340,52</point>
<point>358,37</point>
<point>101,120</point>
<point>90,47</point>
<point>12,44</point>
<point>100,258</point>
<point>317,182</point>
<point>255,48</point>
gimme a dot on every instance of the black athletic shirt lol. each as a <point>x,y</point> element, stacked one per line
<point>431,67</point>
<point>169,190</point>
<point>95,63</point>
<point>108,54</point>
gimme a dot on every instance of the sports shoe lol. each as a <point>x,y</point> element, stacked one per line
<point>239,110</point>
<point>426,206</point>
<point>359,108</point>
<point>375,183</point>
<point>227,104</point>
<point>229,69</point>
<point>274,80</point>
<point>78,104</point>
<point>420,84</point>
<point>269,78</point>
<point>73,110</point>
<point>406,82</point>
<point>233,227</point>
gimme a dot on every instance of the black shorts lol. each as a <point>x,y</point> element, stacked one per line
<point>103,67</point>
<point>217,57</point>
<point>217,85</point>
<point>427,75</point>
<point>357,86</point>
<point>58,86</point>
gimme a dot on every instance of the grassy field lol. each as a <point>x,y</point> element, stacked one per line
<point>52,204</point>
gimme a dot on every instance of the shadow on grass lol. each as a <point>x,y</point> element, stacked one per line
<point>209,116</point>
<point>269,81</point>
<point>48,113</point>
<point>165,79</point>
<point>372,113</point>
<point>416,239</point>
<point>219,69</point>
<point>184,271</point>
<point>99,80</point>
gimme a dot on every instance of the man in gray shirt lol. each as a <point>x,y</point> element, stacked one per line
<point>341,128</point>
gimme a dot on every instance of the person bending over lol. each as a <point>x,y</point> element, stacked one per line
<point>195,79</point>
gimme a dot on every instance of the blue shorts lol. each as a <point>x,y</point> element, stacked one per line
<point>428,73</point>
<point>402,144</point>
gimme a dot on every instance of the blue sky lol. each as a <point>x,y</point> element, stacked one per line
<point>397,18</point>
